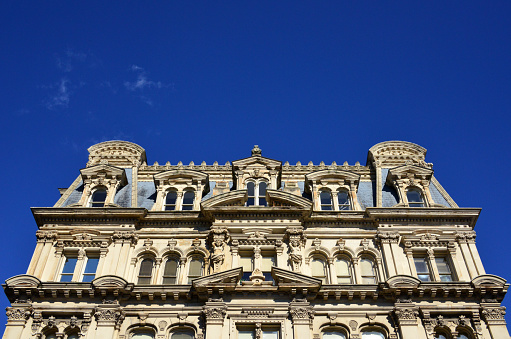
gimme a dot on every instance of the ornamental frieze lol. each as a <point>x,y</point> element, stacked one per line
<point>18,314</point>
<point>126,236</point>
<point>301,313</point>
<point>492,315</point>
<point>46,235</point>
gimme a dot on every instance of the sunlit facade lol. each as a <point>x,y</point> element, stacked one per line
<point>255,249</point>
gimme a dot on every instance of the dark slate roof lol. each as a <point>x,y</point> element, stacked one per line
<point>75,196</point>
<point>123,196</point>
<point>389,194</point>
<point>437,196</point>
<point>365,194</point>
<point>146,194</point>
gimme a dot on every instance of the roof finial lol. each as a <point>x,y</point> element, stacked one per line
<point>256,151</point>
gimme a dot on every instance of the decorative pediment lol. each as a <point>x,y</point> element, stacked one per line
<point>284,277</point>
<point>232,198</point>
<point>280,198</point>
<point>488,281</point>
<point>407,171</point>
<point>333,175</point>
<point>180,175</point>
<point>109,282</point>
<point>256,161</point>
<point>118,153</point>
<point>23,281</point>
<point>403,281</point>
<point>395,153</point>
<point>229,277</point>
<point>103,174</point>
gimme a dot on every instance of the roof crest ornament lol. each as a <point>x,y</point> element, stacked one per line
<point>256,151</point>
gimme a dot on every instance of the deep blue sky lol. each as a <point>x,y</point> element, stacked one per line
<point>307,81</point>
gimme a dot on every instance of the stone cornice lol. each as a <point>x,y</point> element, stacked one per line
<point>424,215</point>
<point>50,215</point>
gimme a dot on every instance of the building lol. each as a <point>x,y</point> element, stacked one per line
<point>255,249</point>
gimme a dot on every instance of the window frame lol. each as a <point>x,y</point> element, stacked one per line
<point>151,277</point>
<point>428,266</point>
<point>189,207</point>
<point>188,267</point>
<point>374,269</point>
<point>349,204</point>
<point>93,192</point>
<point>178,269</point>
<point>350,268</point>
<point>141,330</point>
<point>80,266</point>
<point>258,198</point>
<point>416,204</point>
<point>322,258</point>
<point>321,204</point>
<point>165,204</point>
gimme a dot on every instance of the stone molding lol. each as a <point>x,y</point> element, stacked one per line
<point>18,314</point>
<point>215,314</point>
<point>406,316</point>
<point>494,315</point>
<point>109,316</point>
<point>125,237</point>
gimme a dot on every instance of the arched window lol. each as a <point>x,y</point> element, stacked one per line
<point>440,335</point>
<point>372,335</point>
<point>188,199</point>
<point>170,271</point>
<point>333,335</point>
<point>146,271</point>
<point>367,271</point>
<point>98,197</point>
<point>318,268</point>
<point>414,197</point>
<point>256,192</point>
<point>195,268</point>
<point>143,334</point>
<point>182,334</point>
<point>325,200</point>
<point>464,335</point>
<point>343,270</point>
<point>343,200</point>
<point>170,201</point>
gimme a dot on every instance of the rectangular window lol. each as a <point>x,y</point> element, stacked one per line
<point>268,261</point>
<point>69,269</point>
<point>90,269</point>
<point>246,262</point>
<point>422,267</point>
<point>444,270</point>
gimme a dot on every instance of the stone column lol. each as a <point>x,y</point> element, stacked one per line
<point>494,318</point>
<point>123,242</point>
<point>356,269</point>
<point>386,239</point>
<point>16,320</point>
<point>302,315</point>
<point>407,319</point>
<point>108,321</point>
<point>432,264</point>
<point>332,272</point>
<point>379,185</point>
<point>467,256</point>
<point>214,312</point>
<point>335,201</point>
<point>182,271</point>
<point>51,273</point>
<point>102,258</point>
<point>46,238</point>
<point>475,255</point>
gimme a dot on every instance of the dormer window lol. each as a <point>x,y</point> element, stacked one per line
<point>188,199</point>
<point>256,191</point>
<point>326,200</point>
<point>414,197</point>
<point>170,200</point>
<point>343,200</point>
<point>98,197</point>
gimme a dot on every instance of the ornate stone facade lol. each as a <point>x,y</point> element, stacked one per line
<point>255,249</point>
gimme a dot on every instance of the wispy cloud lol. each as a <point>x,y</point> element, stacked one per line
<point>142,82</point>
<point>67,61</point>
<point>61,95</point>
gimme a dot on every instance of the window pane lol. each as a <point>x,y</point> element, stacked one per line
<point>262,194</point>
<point>318,268</point>
<point>414,198</point>
<point>246,335</point>
<point>250,189</point>
<point>188,201</point>
<point>440,336</point>
<point>170,201</point>
<point>344,201</point>
<point>326,200</point>
<point>98,198</point>
<point>270,334</point>
<point>462,336</point>
<point>195,269</point>
<point>367,271</point>
<point>443,266</point>
<point>72,336</point>
<point>92,265</point>
<point>69,266</point>
<point>333,335</point>
<point>372,335</point>
<point>146,267</point>
<point>421,265</point>
<point>170,267</point>
<point>342,267</point>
